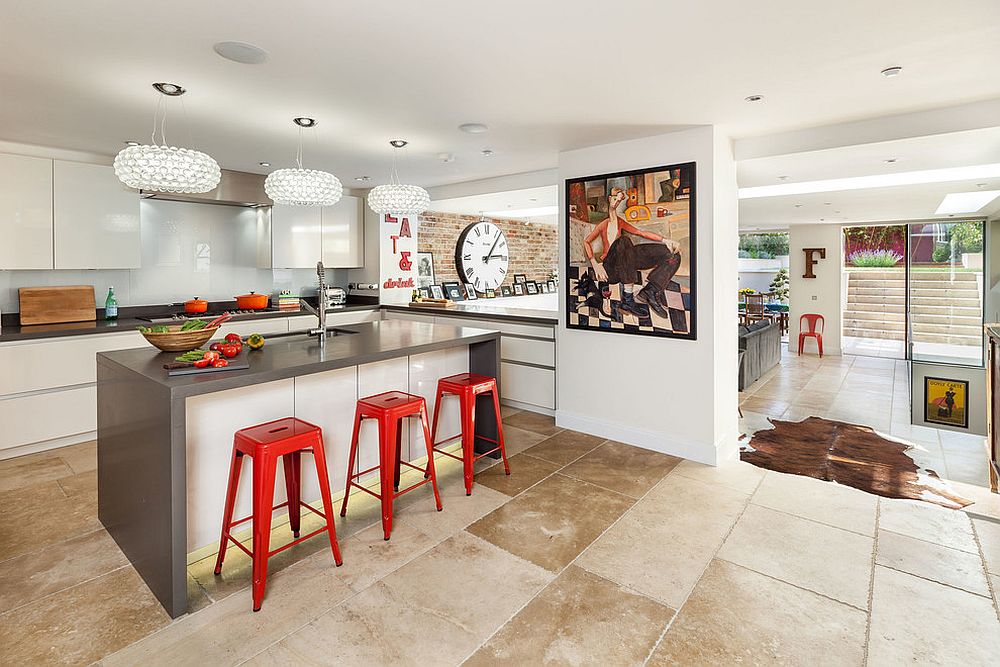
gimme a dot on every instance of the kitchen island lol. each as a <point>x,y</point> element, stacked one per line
<point>164,443</point>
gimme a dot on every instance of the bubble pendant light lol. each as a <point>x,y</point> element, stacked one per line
<point>396,197</point>
<point>164,168</point>
<point>303,187</point>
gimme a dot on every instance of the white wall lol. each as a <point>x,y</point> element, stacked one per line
<point>822,294</point>
<point>673,396</point>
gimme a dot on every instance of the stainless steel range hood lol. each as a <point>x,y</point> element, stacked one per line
<point>235,188</point>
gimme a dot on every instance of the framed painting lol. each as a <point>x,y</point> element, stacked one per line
<point>520,278</point>
<point>946,402</point>
<point>531,286</point>
<point>630,255</point>
<point>425,269</point>
<point>505,290</point>
<point>518,289</point>
<point>453,291</point>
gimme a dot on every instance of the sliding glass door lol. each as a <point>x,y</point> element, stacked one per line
<point>945,292</point>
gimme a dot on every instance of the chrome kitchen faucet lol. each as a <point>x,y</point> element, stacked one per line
<point>320,312</point>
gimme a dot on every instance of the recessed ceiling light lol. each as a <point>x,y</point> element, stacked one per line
<point>446,157</point>
<point>782,178</point>
<point>891,160</point>
<point>980,185</point>
<point>241,52</point>
<point>171,89</point>
<point>486,152</point>
<point>362,179</point>
<point>890,72</point>
<point>946,175</point>
<point>131,143</point>
<point>798,206</point>
<point>966,202</point>
<point>264,164</point>
<point>753,98</point>
<point>826,203</point>
<point>303,121</point>
<point>474,128</point>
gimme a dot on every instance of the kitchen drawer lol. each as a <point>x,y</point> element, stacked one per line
<point>526,384</point>
<point>41,417</point>
<point>528,350</point>
<point>61,362</point>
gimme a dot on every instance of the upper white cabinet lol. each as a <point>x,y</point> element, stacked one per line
<point>25,212</point>
<point>344,233</point>
<point>302,235</point>
<point>96,218</point>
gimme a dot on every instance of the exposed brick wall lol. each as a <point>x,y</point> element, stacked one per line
<point>533,246</point>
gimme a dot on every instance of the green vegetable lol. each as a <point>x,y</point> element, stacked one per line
<point>188,357</point>
<point>193,325</point>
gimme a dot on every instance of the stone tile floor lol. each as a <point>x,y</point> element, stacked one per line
<point>591,552</point>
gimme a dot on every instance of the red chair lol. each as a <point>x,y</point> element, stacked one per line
<point>389,408</point>
<point>288,438</point>
<point>467,386</point>
<point>813,329</point>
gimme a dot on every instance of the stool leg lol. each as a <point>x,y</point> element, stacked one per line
<point>351,460</point>
<point>235,466</point>
<point>324,491</point>
<point>263,504</point>
<point>399,454</point>
<point>430,455</point>
<point>293,472</point>
<point>434,428</point>
<point>468,437</point>
<point>386,465</point>
<point>503,450</point>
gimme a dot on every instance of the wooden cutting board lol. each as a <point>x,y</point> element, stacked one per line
<point>53,305</point>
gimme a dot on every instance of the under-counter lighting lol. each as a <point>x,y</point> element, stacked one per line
<point>877,181</point>
<point>523,212</point>
<point>966,202</point>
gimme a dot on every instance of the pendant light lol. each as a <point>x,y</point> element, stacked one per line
<point>397,197</point>
<point>303,187</point>
<point>163,168</point>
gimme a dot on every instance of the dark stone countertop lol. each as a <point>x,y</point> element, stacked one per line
<point>130,320</point>
<point>295,355</point>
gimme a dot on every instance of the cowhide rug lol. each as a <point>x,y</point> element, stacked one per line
<point>848,454</point>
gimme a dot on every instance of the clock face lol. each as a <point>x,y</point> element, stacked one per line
<point>482,255</point>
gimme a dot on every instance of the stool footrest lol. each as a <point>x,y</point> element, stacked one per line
<point>309,507</point>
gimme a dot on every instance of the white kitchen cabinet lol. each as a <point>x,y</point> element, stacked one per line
<point>296,236</point>
<point>33,418</point>
<point>344,233</point>
<point>96,218</point>
<point>25,212</point>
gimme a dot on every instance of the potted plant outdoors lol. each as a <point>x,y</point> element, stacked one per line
<point>779,286</point>
<point>967,242</point>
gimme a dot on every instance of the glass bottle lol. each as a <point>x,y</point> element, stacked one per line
<point>111,305</point>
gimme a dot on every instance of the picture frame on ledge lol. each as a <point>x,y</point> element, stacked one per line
<point>520,278</point>
<point>425,269</point>
<point>543,288</point>
<point>453,291</point>
<point>436,292</point>
<point>505,290</point>
<point>518,289</point>
<point>470,292</point>
<point>491,293</point>
<point>631,267</point>
<point>531,287</point>
<point>424,292</point>
<point>552,286</point>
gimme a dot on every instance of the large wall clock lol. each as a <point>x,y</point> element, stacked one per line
<point>481,255</point>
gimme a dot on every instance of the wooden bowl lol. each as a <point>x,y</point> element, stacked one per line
<point>176,340</point>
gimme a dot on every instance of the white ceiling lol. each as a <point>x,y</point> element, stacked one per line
<point>545,76</point>
<point>501,201</point>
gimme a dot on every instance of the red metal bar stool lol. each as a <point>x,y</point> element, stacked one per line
<point>467,386</point>
<point>389,409</point>
<point>288,438</point>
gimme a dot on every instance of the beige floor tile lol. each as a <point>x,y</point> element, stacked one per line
<point>81,485</point>
<point>22,501</point>
<point>508,411</point>
<point>814,556</point>
<point>56,567</point>
<point>24,471</point>
<point>525,472</point>
<point>622,468</point>
<point>516,440</point>
<point>197,597</point>
<point>579,618</point>
<point>564,447</point>
<point>435,610</point>
<point>80,458</point>
<point>228,632</point>
<point>553,521</point>
<point>368,556</point>
<point>735,475</point>
<point>916,621</point>
<point>532,421</point>
<point>772,407</point>
<point>924,521</point>
<point>932,561</point>
<point>79,625</point>
<point>967,469</point>
<point>984,502</point>
<point>53,519</point>
<point>989,538</point>
<point>662,546</point>
<point>825,502</point>
<point>736,616</point>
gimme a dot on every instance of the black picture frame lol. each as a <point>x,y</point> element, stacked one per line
<point>520,278</point>
<point>686,191</point>
<point>453,291</point>
<point>518,289</point>
<point>505,290</point>
<point>470,292</point>
<point>531,287</point>
<point>437,292</point>
<point>425,269</point>
<point>552,286</point>
<point>424,292</point>
<point>543,288</point>
<point>933,415</point>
